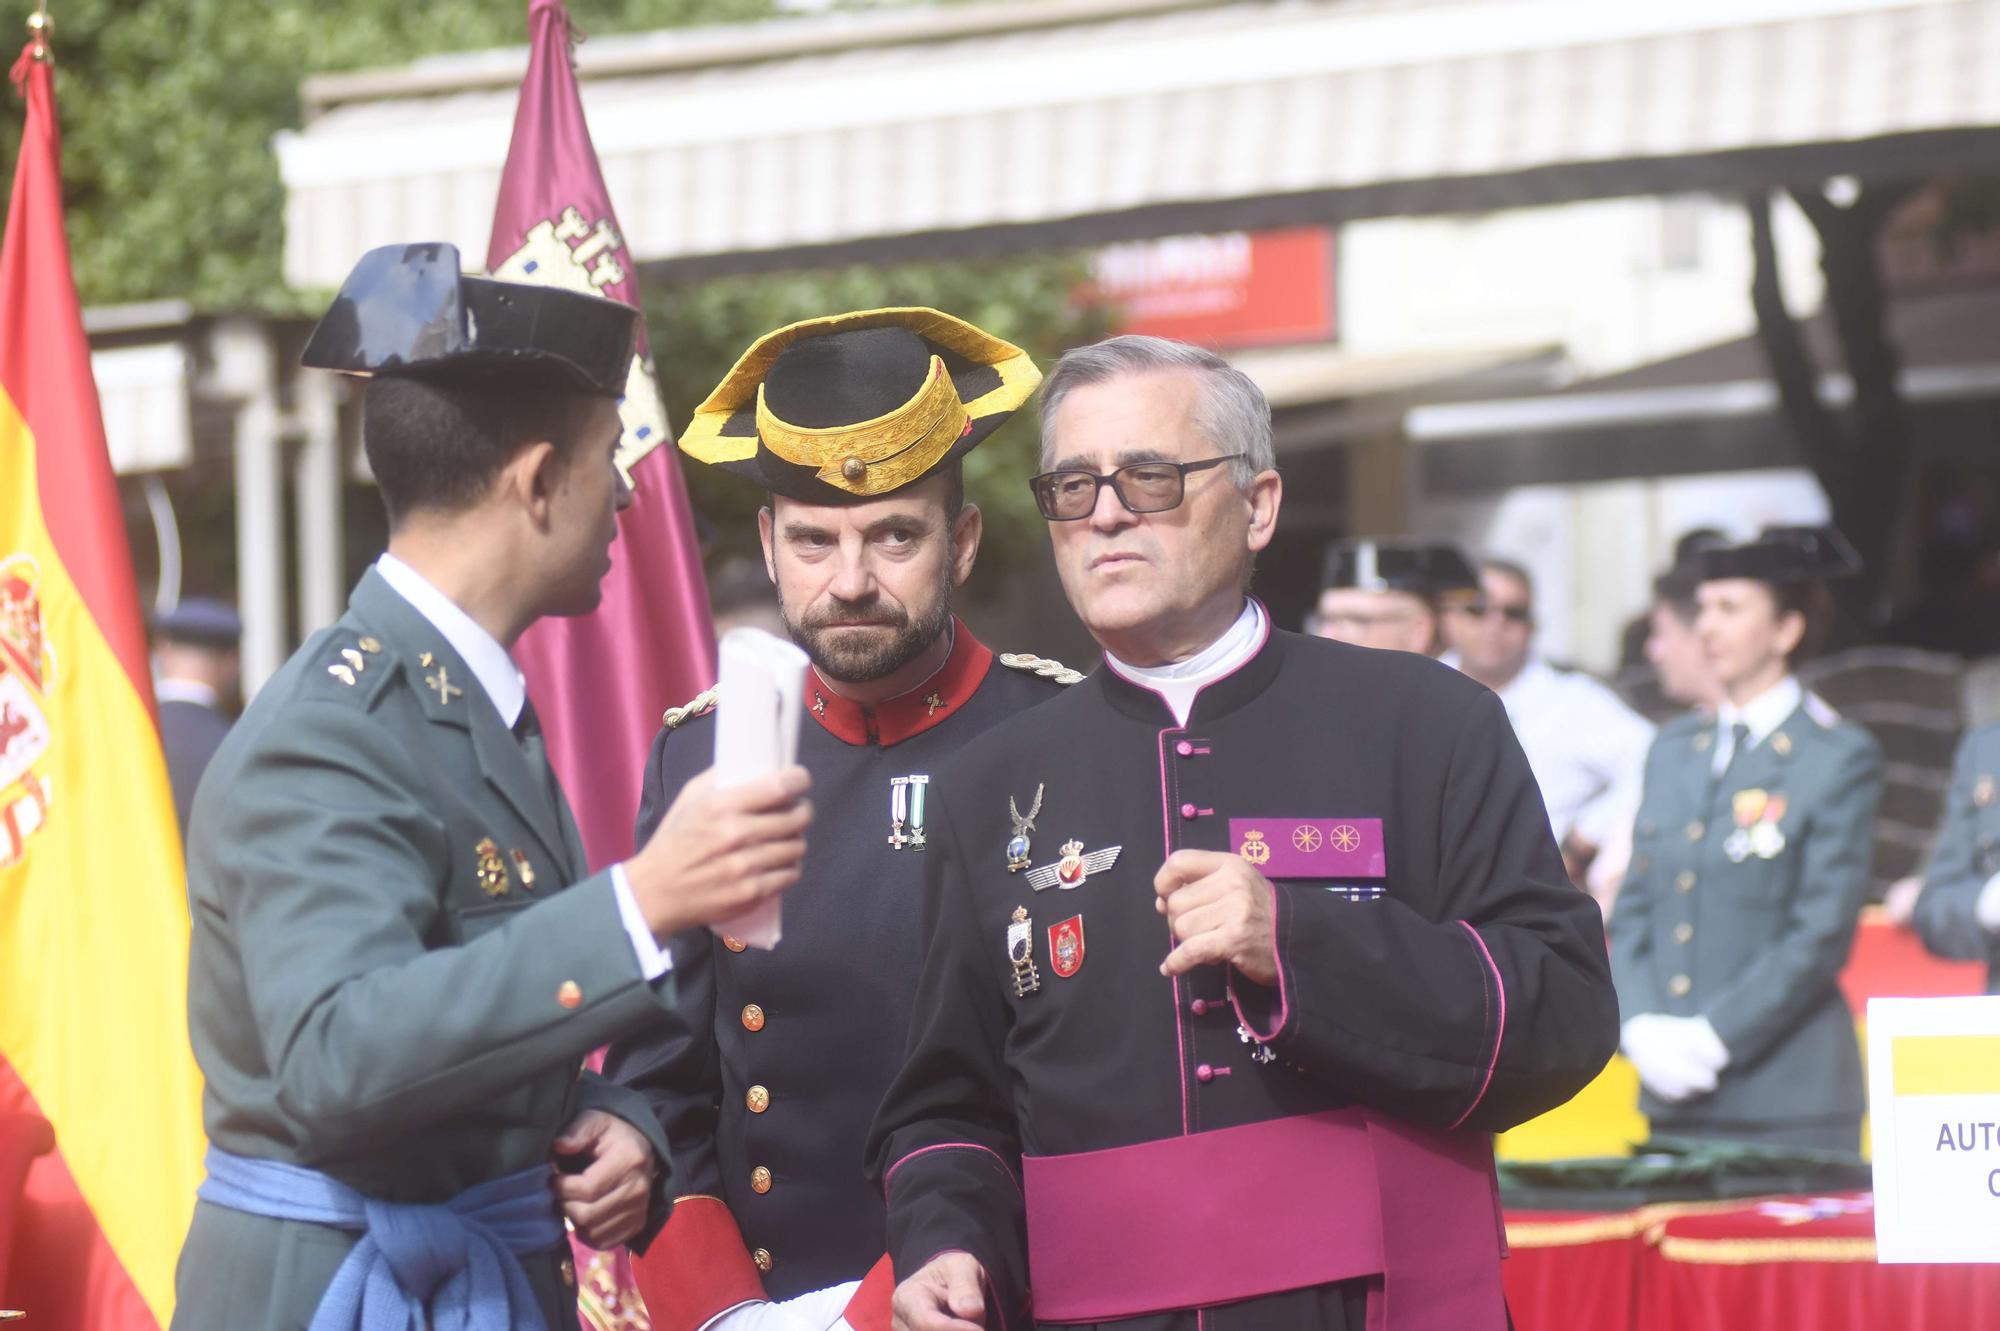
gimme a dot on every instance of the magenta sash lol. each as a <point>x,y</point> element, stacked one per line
<point>1214,1217</point>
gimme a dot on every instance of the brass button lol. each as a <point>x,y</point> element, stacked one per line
<point>1679,986</point>
<point>758,1099</point>
<point>853,470</point>
<point>1683,932</point>
<point>753,1017</point>
<point>1782,743</point>
<point>760,1180</point>
<point>1684,880</point>
<point>762,1257</point>
<point>568,1273</point>
<point>733,944</point>
<point>569,994</point>
<point>1695,830</point>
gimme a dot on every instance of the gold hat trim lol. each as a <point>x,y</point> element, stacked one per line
<point>876,456</point>
<point>704,441</point>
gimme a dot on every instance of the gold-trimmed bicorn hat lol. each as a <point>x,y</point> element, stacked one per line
<point>855,406</point>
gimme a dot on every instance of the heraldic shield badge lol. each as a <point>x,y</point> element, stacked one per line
<point>26,672</point>
<point>578,252</point>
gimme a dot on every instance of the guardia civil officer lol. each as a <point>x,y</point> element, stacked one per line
<point>196,665</point>
<point>1390,593</point>
<point>1217,1042</point>
<point>1958,911</point>
<point>1749,870</point>
<point>768,1072</point>
<point>399,955</point>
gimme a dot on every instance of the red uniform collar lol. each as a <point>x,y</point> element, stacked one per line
<point>896,719</point>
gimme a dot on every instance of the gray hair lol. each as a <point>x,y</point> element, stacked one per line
<point>1232,413</point>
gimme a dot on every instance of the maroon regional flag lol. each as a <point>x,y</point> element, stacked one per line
<point>601,681</point>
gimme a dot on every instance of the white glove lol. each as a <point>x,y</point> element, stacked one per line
<point>761,1316</point>
<point>822,1308</point>
<point>1676,1057</point>
<point>1987,909</point>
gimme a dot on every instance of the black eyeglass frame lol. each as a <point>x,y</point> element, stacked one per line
<point>1516,614</point>
<point>1102,479</point>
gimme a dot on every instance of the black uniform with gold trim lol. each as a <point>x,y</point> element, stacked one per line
<point>772,1065</point>
<point>767,1074</point>
<point>1455,980</point>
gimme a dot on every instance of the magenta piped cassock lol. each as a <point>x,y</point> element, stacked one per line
<point>600,681</point>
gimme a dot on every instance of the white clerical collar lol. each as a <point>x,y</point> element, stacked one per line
<point>1763,713</point>
<point>1180,681</point>
<point>481,651</point>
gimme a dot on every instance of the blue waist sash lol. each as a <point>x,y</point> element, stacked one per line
<point>452,1267</point>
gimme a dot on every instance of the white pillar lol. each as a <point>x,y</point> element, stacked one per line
<point>243,365</point>
<point>316,485</point>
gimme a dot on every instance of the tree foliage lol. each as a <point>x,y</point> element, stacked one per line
<point>168,109</point>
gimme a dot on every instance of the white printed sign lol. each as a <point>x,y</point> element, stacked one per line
<point>1934,1106</point>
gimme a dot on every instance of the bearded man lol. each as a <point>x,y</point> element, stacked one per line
<point>766,1075</point>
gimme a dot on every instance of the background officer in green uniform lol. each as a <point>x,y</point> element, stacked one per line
<point>1958,913</point>
<point>1749,869</point>
<point>399,954</point>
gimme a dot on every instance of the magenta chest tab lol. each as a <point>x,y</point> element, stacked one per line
<point>1311,847</point>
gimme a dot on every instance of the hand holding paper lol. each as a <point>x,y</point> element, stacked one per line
<point>734,837</point>
<point>762,684</point>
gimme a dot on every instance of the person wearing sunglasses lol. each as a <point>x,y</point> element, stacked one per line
<point>1254,959</point>
<point>1376,593</point>
<point>1587,748</point>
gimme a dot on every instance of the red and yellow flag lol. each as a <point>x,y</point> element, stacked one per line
<point>93,896</point>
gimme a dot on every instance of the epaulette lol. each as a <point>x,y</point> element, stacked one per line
<point>700,705</point>
<point>1040,665</point>
<point>350,665</point>
<point>1822,711</point>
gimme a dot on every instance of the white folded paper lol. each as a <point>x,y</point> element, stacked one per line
<point>762,684</point>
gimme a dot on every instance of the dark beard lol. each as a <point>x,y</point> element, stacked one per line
<point>861,662</point>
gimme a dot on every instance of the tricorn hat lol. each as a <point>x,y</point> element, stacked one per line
<point>1785,554</point>
<point>856,406</point>
<point>1422,568</point>
<point>407,310</point>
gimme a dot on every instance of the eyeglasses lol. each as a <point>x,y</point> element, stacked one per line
<point>1143,487</point>
<point>1516,614</point>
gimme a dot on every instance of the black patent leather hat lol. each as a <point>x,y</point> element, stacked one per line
<point>1785,554</point>
<point>1425,568</point>
<point>408,310</point>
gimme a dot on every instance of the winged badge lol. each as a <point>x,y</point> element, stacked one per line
<point>1074,866</point>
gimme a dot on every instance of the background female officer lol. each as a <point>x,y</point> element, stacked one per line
<point>1750,866</point>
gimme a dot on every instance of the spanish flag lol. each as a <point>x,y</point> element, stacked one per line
<point>93,897</point>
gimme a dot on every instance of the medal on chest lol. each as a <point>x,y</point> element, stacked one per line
<point>1757,832</point>
<point>1066,946</point>
<point>906,811</point>
<point>1074,866</point>
<point>1021,953</point>
<point>1018,845</point>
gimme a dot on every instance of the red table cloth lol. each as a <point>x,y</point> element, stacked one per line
<point>1756,1265</point>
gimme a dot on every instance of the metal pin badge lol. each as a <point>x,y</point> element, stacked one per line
<point>1018,845</point>
<point>1074,866</point>
<point>899,811</point>
<point>1021,953</point>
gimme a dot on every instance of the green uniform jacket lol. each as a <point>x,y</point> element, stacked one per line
<point>1755,944</point>
<point>398,964</point>
<point>1967,855</point>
